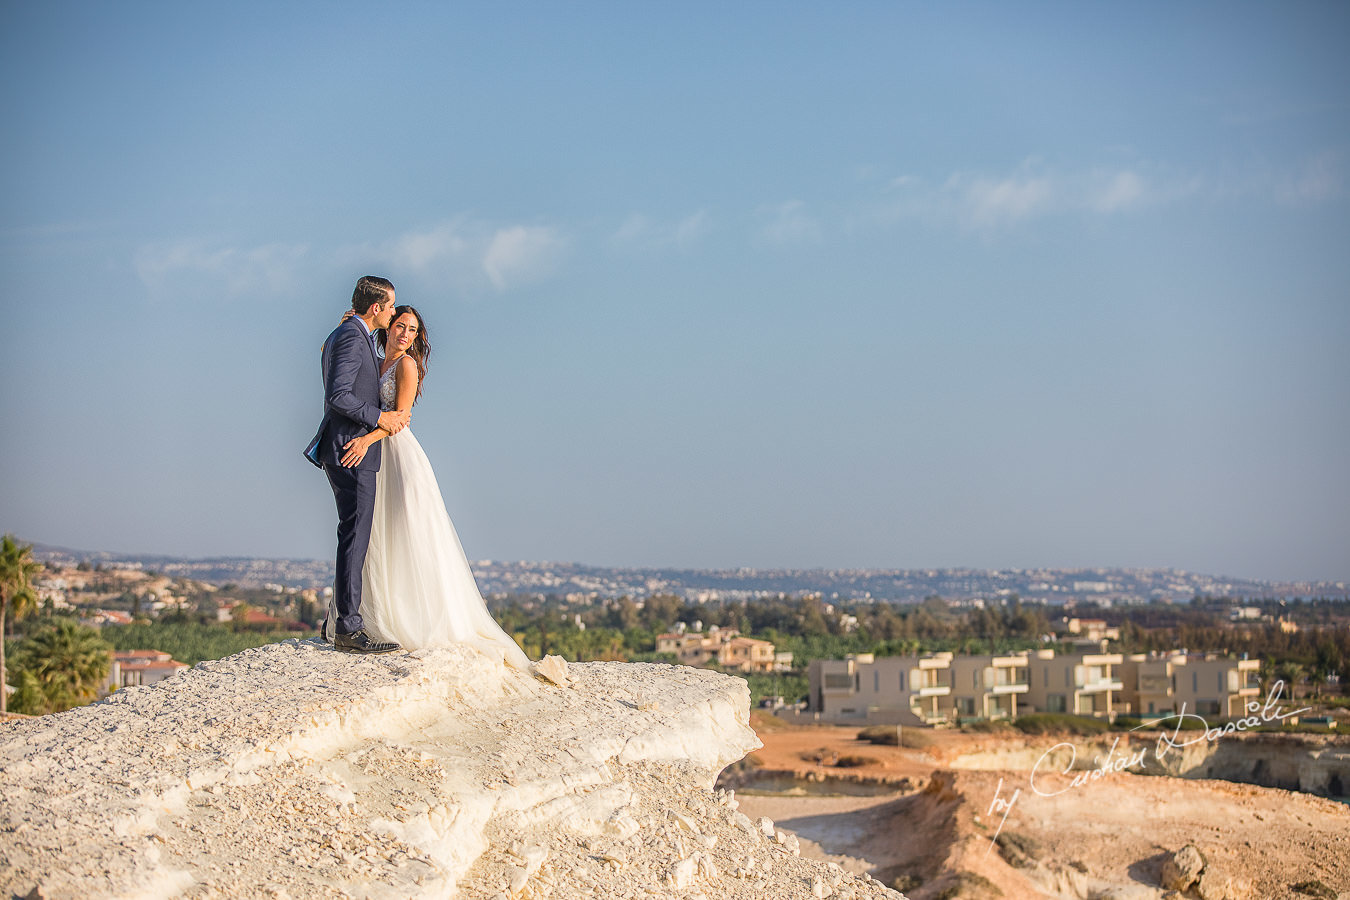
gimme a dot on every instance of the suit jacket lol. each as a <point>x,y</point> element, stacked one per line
<point>351,396</point>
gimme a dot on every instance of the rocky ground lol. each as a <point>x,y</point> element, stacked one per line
<point>943,835</point>
<point>296,771</point>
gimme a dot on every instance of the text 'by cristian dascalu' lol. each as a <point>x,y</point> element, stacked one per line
<point>1170,739</point>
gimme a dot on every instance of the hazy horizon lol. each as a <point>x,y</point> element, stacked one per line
<point>887,285</point>
<point>47,546</point>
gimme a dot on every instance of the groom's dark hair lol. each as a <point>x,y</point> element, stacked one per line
<point>370,289</point>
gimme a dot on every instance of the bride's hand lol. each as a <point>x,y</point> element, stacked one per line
<point>347,315</point>
<point>354,451</point>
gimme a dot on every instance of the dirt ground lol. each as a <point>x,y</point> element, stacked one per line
<point>932,833</point>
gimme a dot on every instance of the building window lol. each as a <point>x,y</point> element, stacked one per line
<point>1195,682</point>
<point>1055,703</point>
<point>1207,707</point>
<point>876,682</point>
<point>837,682</point>
<point>965,706</point>
<point>1068,675</point>
<point>902,681</point>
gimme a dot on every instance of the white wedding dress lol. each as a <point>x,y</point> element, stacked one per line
<point>417,588</point>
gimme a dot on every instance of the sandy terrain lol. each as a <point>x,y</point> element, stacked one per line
<point>1103,838</point>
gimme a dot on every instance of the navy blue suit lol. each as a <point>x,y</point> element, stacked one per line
<point>351,399</point>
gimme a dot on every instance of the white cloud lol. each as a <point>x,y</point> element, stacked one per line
<point>789,223</point>
<point>987,202</point>
<point>639,229</point>
<point>691,228</point>
<point>467,256</point>
<point>269,268</point>
<point>521,254</point>
<point>1118,191</point>
<point>634,228</point>
<point>1318,180</point>
<point>421,250</point>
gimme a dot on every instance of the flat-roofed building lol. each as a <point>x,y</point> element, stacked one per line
<point>1207,684</point>
<point>903,690</point>
<point>746,655</point>
<point>1080,683</point>
<point>141,667</point>
<point>1150,687</point>
<point>987,687</point>
<point>723,645</point>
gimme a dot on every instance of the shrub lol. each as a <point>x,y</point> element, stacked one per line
<point>968,884</point>
<point>1060,723</point>
<point>764,721</point>
<point>1019,850</point>
<point>1315,889</point>
<point>892,736</point>
<point>824,756</point>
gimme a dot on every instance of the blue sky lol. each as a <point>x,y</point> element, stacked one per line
<point>761,284</point>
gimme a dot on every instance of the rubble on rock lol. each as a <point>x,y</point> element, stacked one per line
<point>295,771</point>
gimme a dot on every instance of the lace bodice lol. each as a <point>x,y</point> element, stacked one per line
<point>389,388</point>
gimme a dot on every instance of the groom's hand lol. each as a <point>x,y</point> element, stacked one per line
<point>394,420</point>
<point>353,452</point>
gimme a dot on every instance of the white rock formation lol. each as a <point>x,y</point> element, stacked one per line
<point>296,771</point>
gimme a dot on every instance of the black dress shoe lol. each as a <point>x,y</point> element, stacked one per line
<point>360,642</point>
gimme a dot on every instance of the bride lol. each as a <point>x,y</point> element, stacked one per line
<point>417,588</point>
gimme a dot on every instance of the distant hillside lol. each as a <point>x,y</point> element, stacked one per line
<point>497,577</point>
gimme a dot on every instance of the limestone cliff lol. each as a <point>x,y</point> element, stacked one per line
<point>296,771</point>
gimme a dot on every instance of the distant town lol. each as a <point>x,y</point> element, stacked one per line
<point>575,581</point>
<point>934,646</point>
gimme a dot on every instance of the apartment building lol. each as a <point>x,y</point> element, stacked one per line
<point>940,688</point>
<point>141,667</point>
<point>892,690</point>
<point>987,687</point>
<point>1207,684</point>
<point>725,646</point>
<point>929,689</point>
<point>1086,631</point>
<point>1080,683</point>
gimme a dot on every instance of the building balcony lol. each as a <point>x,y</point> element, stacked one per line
<point>1155,684</point>
<point>928,716</point>
<point>1001,689</point>
<point>1101,685</point>
<point>935,690</point>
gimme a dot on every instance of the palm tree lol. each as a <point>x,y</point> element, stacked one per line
<point>17,568</point>
<point>70,662</point>
<point>1291,673</point>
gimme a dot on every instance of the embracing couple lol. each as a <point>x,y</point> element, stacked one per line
<point>403,581</point>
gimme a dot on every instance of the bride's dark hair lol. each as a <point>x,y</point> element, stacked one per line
<point>420,351</point>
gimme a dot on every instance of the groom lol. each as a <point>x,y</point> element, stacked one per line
<point>351,398</point>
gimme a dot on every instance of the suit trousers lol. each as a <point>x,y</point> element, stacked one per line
<point>354,491</point>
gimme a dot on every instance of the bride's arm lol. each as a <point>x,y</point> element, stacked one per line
<point>405,386</point>
<point>405,392</point>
